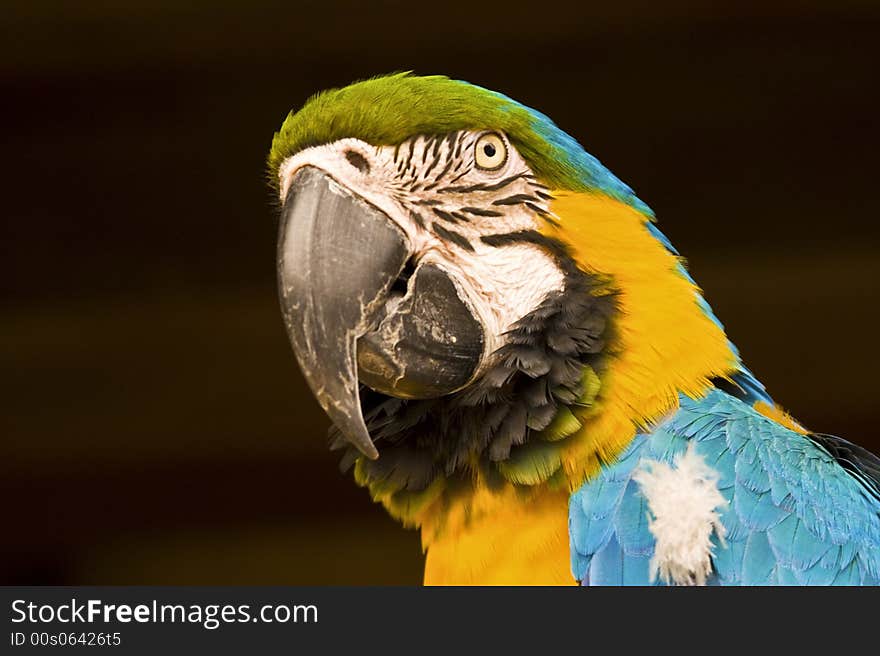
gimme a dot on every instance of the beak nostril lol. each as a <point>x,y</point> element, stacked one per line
<point>358,161</point>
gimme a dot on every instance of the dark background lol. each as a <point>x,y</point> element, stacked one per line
<point>155,428</point>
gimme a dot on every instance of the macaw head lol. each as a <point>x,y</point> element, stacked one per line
<point>467,290</point>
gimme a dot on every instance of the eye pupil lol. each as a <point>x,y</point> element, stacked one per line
<point>489,149</point>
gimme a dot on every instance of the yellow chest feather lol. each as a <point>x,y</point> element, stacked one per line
<point>517,544</point>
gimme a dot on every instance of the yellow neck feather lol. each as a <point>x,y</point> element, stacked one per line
<point>664,344</point>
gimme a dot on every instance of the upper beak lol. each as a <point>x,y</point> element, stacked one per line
<point>337,258</point>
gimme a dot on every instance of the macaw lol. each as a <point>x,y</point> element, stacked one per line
<point>517,362</point>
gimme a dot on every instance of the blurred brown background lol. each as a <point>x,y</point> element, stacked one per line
<point>155,428</point>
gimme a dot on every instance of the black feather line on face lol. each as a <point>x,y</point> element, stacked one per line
<point>537,371</point>
<point>452,236</point>
<point>449,217</point>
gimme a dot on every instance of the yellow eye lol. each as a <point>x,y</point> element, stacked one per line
<point>490,152</point>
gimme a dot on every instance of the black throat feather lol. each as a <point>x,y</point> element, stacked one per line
<point>512,420</point>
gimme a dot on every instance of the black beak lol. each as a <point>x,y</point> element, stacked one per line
<point>338,258</point>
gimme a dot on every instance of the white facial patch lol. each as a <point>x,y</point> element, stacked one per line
<point>433,189</point>
<point>370,184</point>
<point>509,282</point>
<point>683,501</point>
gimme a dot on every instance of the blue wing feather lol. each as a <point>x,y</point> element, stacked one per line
<point>631,523</point>
<point>795,516</point>
<point>758,565</point>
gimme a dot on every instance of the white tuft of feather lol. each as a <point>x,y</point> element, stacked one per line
<point>683,503</point>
